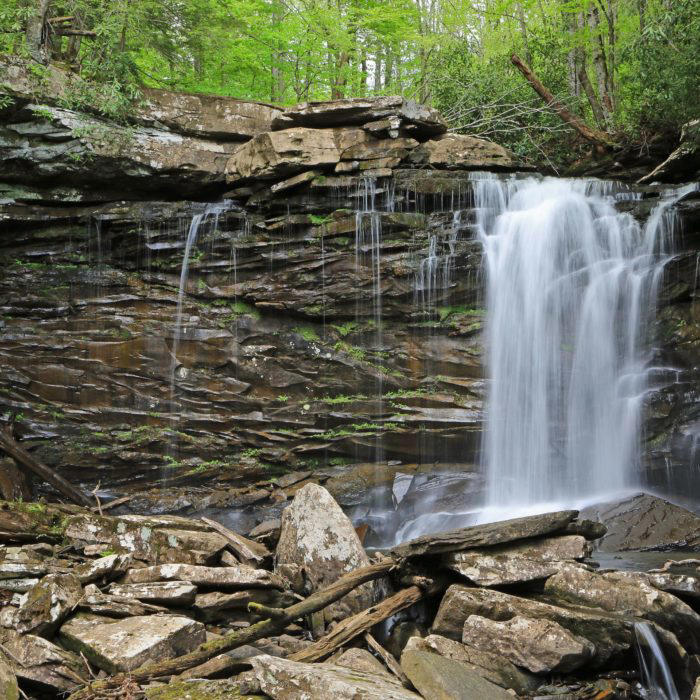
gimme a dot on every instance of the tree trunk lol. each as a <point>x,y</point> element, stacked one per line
<point>36,32</point>
<point>601,69</point>
<point>592,135</point>
<point>523,31</point>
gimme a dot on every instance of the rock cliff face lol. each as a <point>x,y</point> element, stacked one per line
<point>332,314</point>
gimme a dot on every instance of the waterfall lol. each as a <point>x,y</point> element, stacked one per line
<point>654,671</point>
<point>571,292</point>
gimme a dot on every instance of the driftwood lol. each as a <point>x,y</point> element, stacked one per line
<point>246,549</point>
<point>485,535</point>
<point>350,628</point>
<point>391,663</point>
<point>265,628</point>
<point>592,135</point>
<point>21,456</point>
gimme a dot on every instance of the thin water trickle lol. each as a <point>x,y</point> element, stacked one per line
<point>655,673</point>
<point>571,292</point>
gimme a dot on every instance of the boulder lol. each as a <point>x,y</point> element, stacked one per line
<point>104,568</point>
<point>124,645</point>
<point>224,578</point>
<point>361,660</point>
<point>439,678</point>
<point>44,606</point>
<point>422,121</point>
<point>200,689</point>
<point>37,661</point>
<point>486,535</point>
<point>373,149</point>
<point>492,666</point>
<point>684,163</point>
<point>8,680</point>
<point>696,691</point>
<point>282,679</point>
<point>94,601</point>
<point>627,594</point>
<point>611,634</point>
<point>678,577</point>
<point>462,152</point>
<point>40,143</point>
<point>519,562</point>
<point>643,521</point>
<point>165,592</point>
<point>318,537</point>
<point>280,154</point>
<point>541,646</point>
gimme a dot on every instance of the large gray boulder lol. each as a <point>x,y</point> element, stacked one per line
<point>541,646</point>
<point>439,678</point>
<point>627,594</point>
<point>462,152</point>
<point>611,634</point>
<point>281,679</point>
<point>124,645</point>
<point>678,577</point>
<point>643,521</point>
<point>318,537</point>
<point>47,604</point>
<point>517,562</point>
<point>492,666</point>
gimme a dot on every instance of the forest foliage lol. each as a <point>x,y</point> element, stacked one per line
<point>627,67</point>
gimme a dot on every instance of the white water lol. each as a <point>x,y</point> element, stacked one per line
<point>571,291</point>
<point>654,670</point>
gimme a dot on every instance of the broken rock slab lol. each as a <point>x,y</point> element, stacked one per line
<point>44,606</point>
<point>678,577</point>
<point>42,663</point>
<point>281,679</point>
<point>541,646</point>
<point>318,537</point>
<point>124,645</point>
<point>229,578</point>
<point>104,568</point>
<point>627,594</point>
<point>94,601</point>
<point>8,680</point>
<point>519,562</point>
<point>645,522</point>
<point>439,678</point>
<point>462,152</point>
<point>200,689</point>
<point>174,593</point>
<point>492,666</point>
<point>425,121</point>
<point>611,634</point>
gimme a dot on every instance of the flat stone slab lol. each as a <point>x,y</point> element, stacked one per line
<point>164,592</point>
<point>104,568</point>
<point>486,535</point>
<point>45,605</point>
<point>200,689</point>
<point>224,578</point>
<point>440,678</point>
<point>281,679</point>
<point>647,522</point>
<point>124,645</point>
<point>519,562</point>
<point>541,646</point>
<point>494,667</point>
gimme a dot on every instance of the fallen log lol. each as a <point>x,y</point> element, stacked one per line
<point>391,663</point>
<point>13,449</point>
<point>350,628</point>
<point>592,135</point>
<point>265,628</point>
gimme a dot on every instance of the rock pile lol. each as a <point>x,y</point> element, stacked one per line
<point>163,607</point>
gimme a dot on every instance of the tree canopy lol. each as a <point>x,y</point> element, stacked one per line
<point>627,67</point>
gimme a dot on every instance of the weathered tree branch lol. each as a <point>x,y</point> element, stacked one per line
<point>9,445</point>
<point>264,628</point>
<point>353,626</point>
<point>592,135</point>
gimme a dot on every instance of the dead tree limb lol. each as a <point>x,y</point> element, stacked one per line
<point>260,630</point>
<point>388,658</point>
<point>350,628</point>
<point>592,135</point>
<point>9,445</point>
<point>246,549</point>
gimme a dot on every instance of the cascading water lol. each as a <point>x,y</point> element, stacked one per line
<point>655,673</point>
<point>572,287</point>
